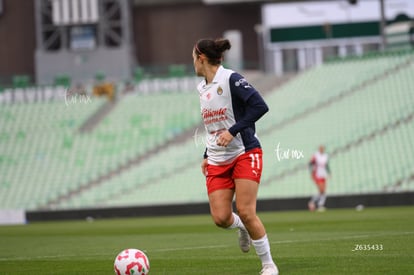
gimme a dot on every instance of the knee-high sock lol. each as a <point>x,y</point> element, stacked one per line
<point>237,223</point>
<point>315,198</point>
<point>262,247</point>
<point>322,199</point>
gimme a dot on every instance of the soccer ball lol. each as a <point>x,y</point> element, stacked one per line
<point>131,262</point>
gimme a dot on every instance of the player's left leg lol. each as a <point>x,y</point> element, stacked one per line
<point>246,196</point>
<point>322,194</point>
<point>247,173</point>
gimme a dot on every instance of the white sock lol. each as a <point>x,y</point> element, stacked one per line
<point>237,223</point>
<point>262,247</point>
<point>315,198</point>
<point>322,199</point>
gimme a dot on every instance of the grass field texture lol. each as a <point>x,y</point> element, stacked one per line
<point>339,241</point>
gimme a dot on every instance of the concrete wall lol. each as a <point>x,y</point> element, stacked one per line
<point>18,40</point>
<point>84,65</point>
<point>163,34</point>
<point>368,200</point>
<point>166,33</point>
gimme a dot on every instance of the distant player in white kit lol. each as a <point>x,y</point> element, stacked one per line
<point>232,163</point>
<point>319,168</point>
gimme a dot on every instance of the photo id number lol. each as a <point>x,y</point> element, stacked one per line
<point>368,247</point>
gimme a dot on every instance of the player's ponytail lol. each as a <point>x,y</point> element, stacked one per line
<point>222,45</point>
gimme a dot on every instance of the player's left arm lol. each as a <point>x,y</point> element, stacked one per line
<point>255,106</point>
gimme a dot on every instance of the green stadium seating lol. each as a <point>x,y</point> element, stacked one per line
<point>359,108</point>
<point>62,80</point>
<point>177,70</point>
<point>138,74</point>
<point>343,122</point>
<point>21,81</point>
<point>42,147</point>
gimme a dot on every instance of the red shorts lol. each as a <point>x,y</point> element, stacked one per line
<point>246,166</point>
<point>318,181</point>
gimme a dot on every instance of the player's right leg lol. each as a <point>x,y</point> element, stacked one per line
<point>221,207</point>
<point>221,189</point>
<point>223,216</point>
<point>312,202</point>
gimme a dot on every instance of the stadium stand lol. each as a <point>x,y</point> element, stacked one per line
<point>354,116</point>
<point>36,150</point>
<point>147,149</point>
<point>42,139</point>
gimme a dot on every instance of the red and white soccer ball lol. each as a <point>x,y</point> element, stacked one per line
<point>131,262</point>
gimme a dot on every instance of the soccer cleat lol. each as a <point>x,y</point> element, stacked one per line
<point>321,209</point>
<point>244,240</point>
<point>269,269</point>
<point>311,206</point>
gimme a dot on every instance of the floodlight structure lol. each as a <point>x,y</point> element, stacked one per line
<point>82,39</point>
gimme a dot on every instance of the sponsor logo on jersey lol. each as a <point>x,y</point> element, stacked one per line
<point>213,115</point>
<point>242,82</point>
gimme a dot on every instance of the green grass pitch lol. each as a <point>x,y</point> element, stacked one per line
<point>339,241</point>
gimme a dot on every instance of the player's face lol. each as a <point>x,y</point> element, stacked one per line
<point>321,149</point>
<point>197,64</point>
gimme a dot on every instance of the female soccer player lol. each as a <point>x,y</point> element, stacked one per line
<point>232,163</point>
<point>319,168</point>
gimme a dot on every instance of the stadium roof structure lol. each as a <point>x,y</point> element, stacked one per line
<point>208,2</point>
<point>163,2</point>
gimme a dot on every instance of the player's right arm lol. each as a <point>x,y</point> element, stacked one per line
<point>311,165</point>
<point>204,167</point>
<point>204,163</point>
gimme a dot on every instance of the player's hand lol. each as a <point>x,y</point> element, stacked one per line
<point>224,138</point>
<point>204,167</point>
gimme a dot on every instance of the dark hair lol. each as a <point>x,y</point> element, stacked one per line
<point>213,49</point>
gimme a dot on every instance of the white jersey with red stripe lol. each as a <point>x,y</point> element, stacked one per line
<point>320,161</point>
<point>229,102</point>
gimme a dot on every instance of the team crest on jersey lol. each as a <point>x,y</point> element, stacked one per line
<point>219,90</point>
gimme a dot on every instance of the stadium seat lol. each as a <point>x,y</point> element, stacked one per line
<point>147,150</point>
<point>62,80</point>
<point>21,81</point>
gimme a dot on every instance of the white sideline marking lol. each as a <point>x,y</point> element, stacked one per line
<point>293,241</point>
<point>211,246</point>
